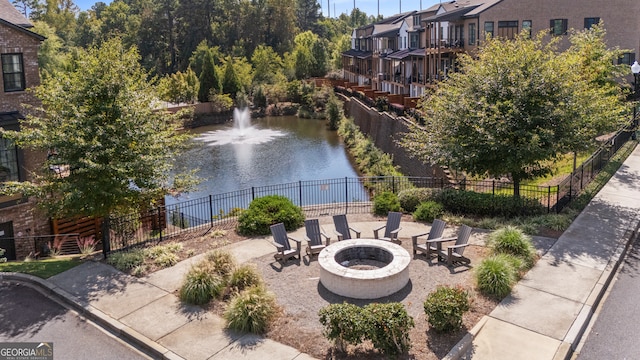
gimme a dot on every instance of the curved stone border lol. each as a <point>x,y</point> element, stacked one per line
<point>364,284</point>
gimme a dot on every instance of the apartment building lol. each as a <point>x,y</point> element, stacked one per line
<point>19,58</point>
<point>436,36</point>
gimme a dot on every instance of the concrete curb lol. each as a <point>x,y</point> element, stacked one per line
<point>83,308</point>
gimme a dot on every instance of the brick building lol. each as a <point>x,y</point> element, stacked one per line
<point>19,217</point>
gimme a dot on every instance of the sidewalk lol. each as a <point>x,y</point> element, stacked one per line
<point>549,309</point>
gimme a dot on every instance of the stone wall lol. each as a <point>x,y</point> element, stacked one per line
<point>386,130</point>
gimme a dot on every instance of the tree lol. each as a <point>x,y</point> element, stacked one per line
<point>50,55</point>
<point>308,13</point>
<point>512,110</point>
<point>267,65</point>
<point>230,82</point>
<point>179,87</point>
<point>110,151</point>
<point>209,79</point>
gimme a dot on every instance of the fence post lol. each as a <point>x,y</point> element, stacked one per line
<point>558,199</point>
<point>253,193</point>
<point>493,187</point>
<point>211,209</point>
<point>160,222</point>
<point>571,187</point>
<point>300,191</point>
<point>548,199</point>
<point>346,195</point>
<point>581,175</point>
<point>393,184</point>
<point>106,241</point>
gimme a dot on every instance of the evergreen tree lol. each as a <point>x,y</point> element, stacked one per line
<point>209,79</point>
<point>230,82</point>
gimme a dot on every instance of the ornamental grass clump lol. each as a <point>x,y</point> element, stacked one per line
<point>221,262</point>
<point>126,260</point>
<point>201,285</point>
<point>243,277</point>
<point>445,307</point>
<point>252,310</point>
<point>496,275</point>
<point>511,240</point>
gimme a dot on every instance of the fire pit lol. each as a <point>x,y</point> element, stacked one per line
<point>364,268</point>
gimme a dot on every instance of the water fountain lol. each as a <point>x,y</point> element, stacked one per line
<point>241,133</point>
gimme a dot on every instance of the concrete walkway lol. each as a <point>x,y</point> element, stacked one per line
<point>550,308</point>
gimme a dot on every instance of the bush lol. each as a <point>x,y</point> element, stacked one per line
<point>411,198</point>
<point>445,307</point>
<point>201,285</point>
<point>428,211</point>
<point>388,327</point>
<point>385,202</point>
<point>266,211</point>
<point>343,324</point>
<point>221,262</point>
<point>496,275</point>
<point>511,240</point>
<point>126,260</point>
<point>486,204</point>
<point>251,311</point>
<point>243,277</point>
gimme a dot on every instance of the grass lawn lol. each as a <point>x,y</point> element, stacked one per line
<point>42,268</point>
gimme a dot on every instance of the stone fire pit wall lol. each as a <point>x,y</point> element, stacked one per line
<point>364,284</point>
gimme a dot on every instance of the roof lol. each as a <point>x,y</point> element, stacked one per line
<point>452,15</point>
<point>10,14</point>
<point>383,30</point>
<point>417,52</point>
<point>487,4</point>
<point>400,54</point>
<point>21,29</point>
<point>360,54</point>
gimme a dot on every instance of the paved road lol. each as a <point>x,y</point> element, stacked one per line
<point>614,334</point>
<point>28,316</point>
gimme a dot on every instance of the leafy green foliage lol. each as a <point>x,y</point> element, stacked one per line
<point>511,240</point>
<point>180,87</point>
<point>334,112</point>
<point>428,211</point>
<point>209,78</point>
<point>201,285</point>
<point>411,198</point>
<point>252,310</point>
<point>496,275</point>
<point>120,144</point>
<point>269,210</point>
<point>445,307</point>
<point>385,202</point>
<point>486,204</point>
<point>501,115</point>
<point>230,81</point>
<point>388,327</point>
<point>344,324</point>
<point>126,260</point>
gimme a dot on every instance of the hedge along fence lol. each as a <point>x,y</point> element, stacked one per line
<point>316,197</point>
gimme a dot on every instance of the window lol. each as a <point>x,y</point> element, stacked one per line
<point>414,38</point>
<point>416,20</point>
<point>12,72</point>
<point>8,160</point>
<point>627,58</point>
<point>472,34</point>
<point>526,27</point>
<point>559,26</point>
<point>589,22</point>
<point>488,29</point>
<point>507,29</point>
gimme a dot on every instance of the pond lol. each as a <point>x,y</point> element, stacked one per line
<point>269,151</point>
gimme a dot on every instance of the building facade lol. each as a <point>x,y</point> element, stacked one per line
<point>19,217</point>
<point>423,46</point>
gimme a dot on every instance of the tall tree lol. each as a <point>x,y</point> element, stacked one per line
<point>209,79</point>
<point>512,110</point>
<point>110,150</point>
<point>230,82</point>
<point>267,65</point>
<point>308,14</point>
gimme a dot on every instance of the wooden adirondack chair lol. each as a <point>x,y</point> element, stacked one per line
<point>314,237</point>
<point>391,228</point>
<point>432,245</point>
<point>281,242</point>
<point>455,253</point>
<point>343,230</point>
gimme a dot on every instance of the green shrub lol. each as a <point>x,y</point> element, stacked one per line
<point>411,198</point>
<point>445,307</point>
<point>252,310</point>
<point>496,275</point>
<point>266,211</point>
<point>388,327</point>
<point>344,324</point>
<point>486,204</point>
<point>511,240</point>
<point>221,262</point>
<point>243,277</point>
<point>126,260</point>
<point>385,202</point>
<point>201,285</point>
<point>166,260</point>
<point>428,211</point>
